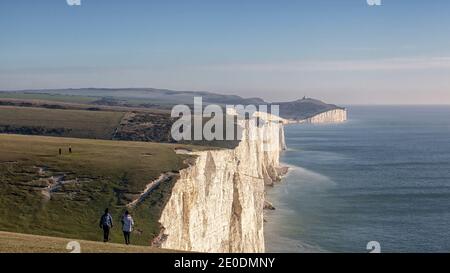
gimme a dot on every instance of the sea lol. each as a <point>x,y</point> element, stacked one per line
<point>381,177</point>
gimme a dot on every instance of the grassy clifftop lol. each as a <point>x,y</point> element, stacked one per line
<point>25,243</point>
<point>42,192</point>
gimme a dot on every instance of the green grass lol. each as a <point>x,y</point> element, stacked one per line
<point>25,243</point>
<point>80,123</point>
<point>114,171</point>
<point>47,97</point>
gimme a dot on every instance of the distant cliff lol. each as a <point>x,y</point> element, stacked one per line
<point>330,116</point>
<point>311,111</point>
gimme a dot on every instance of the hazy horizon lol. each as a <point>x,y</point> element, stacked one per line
<point>270,101</point>
<point>342,52</point>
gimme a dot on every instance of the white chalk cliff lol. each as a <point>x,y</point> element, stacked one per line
<point>217,203</point>
<point>331,116</point>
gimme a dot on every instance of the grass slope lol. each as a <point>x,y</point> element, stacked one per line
<point>81,123</point>
<point>47,97</point>
<point>101,174</point>
<point>25,243</point>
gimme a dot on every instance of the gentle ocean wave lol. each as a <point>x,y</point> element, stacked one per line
<point>384,178</point>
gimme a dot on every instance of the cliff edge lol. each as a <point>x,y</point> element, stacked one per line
<point>217,203</point>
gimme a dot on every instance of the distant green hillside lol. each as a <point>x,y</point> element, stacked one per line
<point>114,124</point>
<point>130,96</point>
<point>58,122</point>
<point>165,99</point>
<point>47,97</point>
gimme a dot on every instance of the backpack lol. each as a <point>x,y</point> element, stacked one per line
<point>105,220</point>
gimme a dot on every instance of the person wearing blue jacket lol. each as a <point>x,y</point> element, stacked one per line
<point>106,223</point>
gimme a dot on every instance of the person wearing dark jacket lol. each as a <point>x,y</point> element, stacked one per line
<point>106,223</point>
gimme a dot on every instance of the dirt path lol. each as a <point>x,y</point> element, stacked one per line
<point>150,187</point>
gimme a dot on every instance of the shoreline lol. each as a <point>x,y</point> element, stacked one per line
<point>278,211</point>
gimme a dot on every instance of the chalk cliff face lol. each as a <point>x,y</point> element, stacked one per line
<point>217,203</point>
<point>331,116</point>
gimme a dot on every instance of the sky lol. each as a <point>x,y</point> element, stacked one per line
<point>340,51</point>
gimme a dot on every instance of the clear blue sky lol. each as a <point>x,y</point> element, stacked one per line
<point>342,51</point>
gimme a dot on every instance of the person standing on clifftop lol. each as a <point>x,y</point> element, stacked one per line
<point>127,226</point>
<point>106,223</point>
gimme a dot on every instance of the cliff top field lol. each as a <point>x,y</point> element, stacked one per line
<point>25,243</point>
<point>59,122</point>
<point>47,97</point>
<point>83,121</point>
<point>114,123</point>
<point>45,193</point>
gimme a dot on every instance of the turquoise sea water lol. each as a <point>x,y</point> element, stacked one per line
<point>382,176</point>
